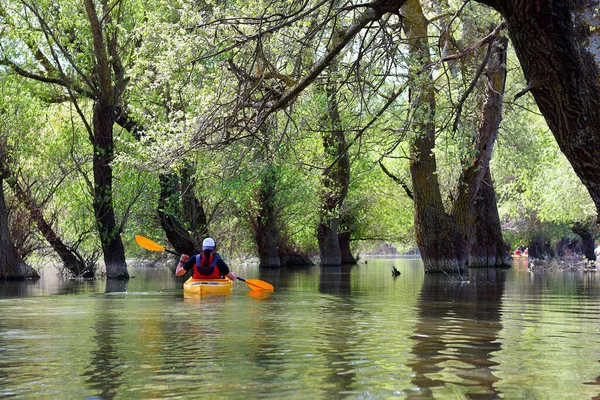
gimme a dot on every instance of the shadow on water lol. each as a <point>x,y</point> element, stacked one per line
<point>457,333</point>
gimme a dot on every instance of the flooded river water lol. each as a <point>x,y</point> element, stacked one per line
<point>351,332</point>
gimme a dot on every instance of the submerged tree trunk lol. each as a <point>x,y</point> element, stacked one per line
<point>329,247</point>
<point>345,250</point>
<point>441,245</point>
<point>109,89</point>
<point>540,247</point>
<point>9,268</point>
<point>109,232</point>
<point>265,223</point>
<point>444,238</point>
<point>488,248</point>
<point>587,238</point>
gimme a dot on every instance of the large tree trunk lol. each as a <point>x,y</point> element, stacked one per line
<point>345,250</point>
<point>265,223</point>
<point>109,232</point>
<point>587,238</point>
<point>444,239</point>
<point>108,91</point>
<point>488,248</point>
<point>554,41</point>
<point>540,247</point>
<point>335,179</point>
<point>442,246</point>
<point>10,266</point>
<point>329,247</point>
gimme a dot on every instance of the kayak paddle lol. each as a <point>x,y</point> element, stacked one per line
<point>254,284</point>
<point>153,246</point>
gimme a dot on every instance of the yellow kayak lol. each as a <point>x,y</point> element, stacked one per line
<point>520,256</point>
<point>207,286</point>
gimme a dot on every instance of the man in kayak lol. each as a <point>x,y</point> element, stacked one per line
<point>208,265</point>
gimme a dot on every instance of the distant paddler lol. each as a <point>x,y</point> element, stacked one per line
<point>521,254</point>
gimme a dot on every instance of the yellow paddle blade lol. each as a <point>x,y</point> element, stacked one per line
<point>148,244</point>
<point>256,284</point>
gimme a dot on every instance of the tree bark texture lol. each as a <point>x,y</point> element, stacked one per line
<point>265,223</point>
<point>488,248</point>
<point>345,249</point>
<point>442,246</point>
<point>552,41</point>
<point>587,239</point>
<point>335,178</point>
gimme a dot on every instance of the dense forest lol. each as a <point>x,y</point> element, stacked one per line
<point>294,131</point>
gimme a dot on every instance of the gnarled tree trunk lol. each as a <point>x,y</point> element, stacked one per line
<point>442,246</point>
<point>488,248</point>
<point>345,250</point>
<point>109,89</point>
<point>444,238</point>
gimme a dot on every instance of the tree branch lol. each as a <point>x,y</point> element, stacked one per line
<point>397,180</point>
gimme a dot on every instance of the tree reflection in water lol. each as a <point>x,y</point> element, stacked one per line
<point>337,336</point>
<point>457,332</point>
<point>105,369</point>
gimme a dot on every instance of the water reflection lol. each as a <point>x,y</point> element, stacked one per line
<point>335,280</point>
<point>338,333</point>
<point>17,288</point>
<point>116,286</point>
<point>345,332</point>
<point>105,369</point>
<point>457,333</point>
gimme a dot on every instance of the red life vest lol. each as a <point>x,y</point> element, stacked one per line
<point>210,272</point>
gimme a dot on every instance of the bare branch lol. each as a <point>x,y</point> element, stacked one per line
<point>397,180</point>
